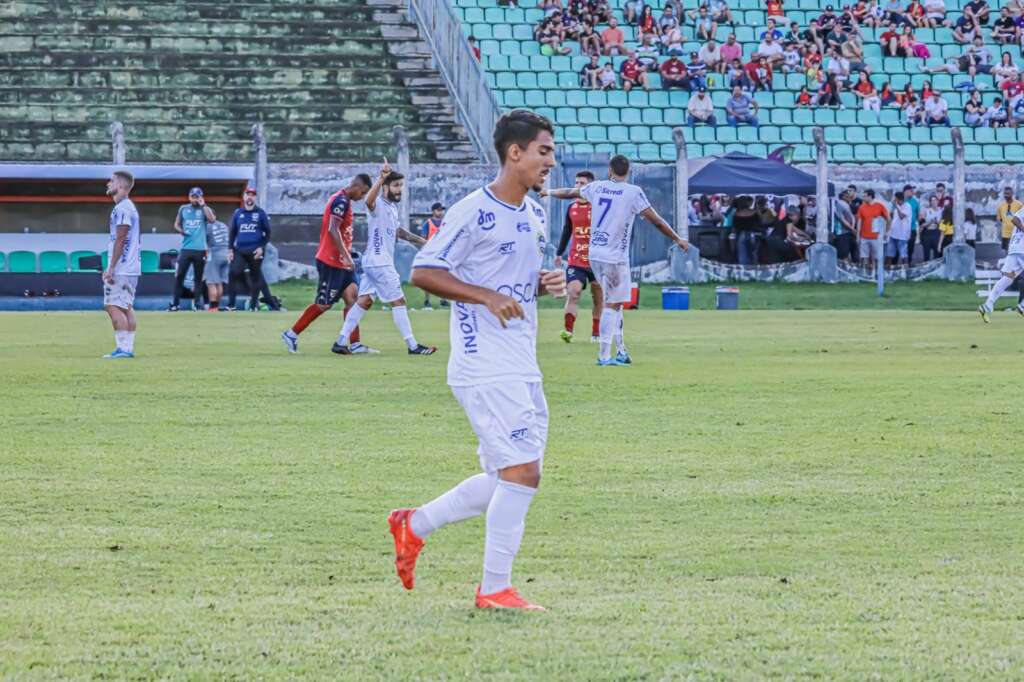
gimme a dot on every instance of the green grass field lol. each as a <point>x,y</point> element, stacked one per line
<point>788,494</point>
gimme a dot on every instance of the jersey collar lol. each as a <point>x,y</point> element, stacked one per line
<point>499,201</point>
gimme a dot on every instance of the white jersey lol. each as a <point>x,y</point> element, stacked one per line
<point>491,244</point>
<point>616,205</point>
<point>124,213</point>
<point>382,230</point>
<point>1016,244</point>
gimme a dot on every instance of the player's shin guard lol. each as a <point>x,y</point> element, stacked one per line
<point>466,500</point>
<point>607,331</point>
<point>311,312</point>
<point>1002,285</point>
<point>351,322</point>
<point>506,516</point>
<point>400,314</point>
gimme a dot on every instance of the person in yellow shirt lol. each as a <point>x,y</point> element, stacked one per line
<point>1004,214</point>
<point>946,225</point>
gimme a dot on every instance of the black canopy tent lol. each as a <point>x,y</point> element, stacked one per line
<point>736,173</point>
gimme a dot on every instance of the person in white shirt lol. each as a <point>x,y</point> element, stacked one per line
<point>124,265</point>
<point>1010,267</point>
<point>899,232</point>
<point>936,110</point>
<point>379,278</point>
<point>791,59</point>
<point>487,259</point>
<point>770,49</point>
<point>711,54</point>
<point>616,204</point>
<point>607,77</point>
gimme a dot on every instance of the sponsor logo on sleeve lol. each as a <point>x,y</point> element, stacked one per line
<point>451,244</point>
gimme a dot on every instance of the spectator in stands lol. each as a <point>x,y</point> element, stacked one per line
<point>771,30</point>
<point>550,34</point>
<point>1006,31</point>
<point>812,63</point>
<point>633,10</point>
<point>613,39</point>
<point>1017,113</point>
<point>775,9</point>
<point>974,110</point>
<point>191,223</point>
<point>770,50</point>
<point>866,91</point>
<point>668,19</point>
<point>1006,69</point>
<point>590,73</point>
<point>899,232</point>
<point>936,110</point>
<point>705,28</point>
<point>814,35</point>
<point>672,41</point>
<point>904,98</point>
<point>860,12</point>
<point>926,91</point>
<point>852,50</point>
<point>970,227</point>
<point>1012,90</point>
<point>698,72</point>
<point>912,46</point>
<point>711,55</point>
<point>915,219</point>
<point>894,13</point>
<point>804,99</point>
<point>946,227</point>
<point>674,74</point>
<point>648,24</point>
<point>250,234</point>
<point>873,221</point>
<point>931,235</point>
<point>607,78</point>
<point>741,109</point>
<point>737,75</point>
<point>1016,7</point>
<point>940,194</point>
<point>720,12</point>
<point>550,7</point>
<point>827,19</point>
<point>700,110</point>
<point>887,96</point>
<point>759,74</point>
<point>1004,215</point>
<point>996,115</point>
<point>590,40</point>
<point>731,50</point>
<point>475,49</point>
<point>891,42</point>
<point>839,67</point>
<point>935,12</point>
<point>791,59</point>
<point>648,52</point>
<point>974,60</point>
<point>844,227</point>
<point>633,73</point>
<point>978,11</point>
<point>964,30</point>
<point>917,15</point>
<point>914,113</point>
<point>217,264</point>
<point>828,92</point>
<point>793,35</point>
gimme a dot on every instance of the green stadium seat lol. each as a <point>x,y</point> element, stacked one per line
<point>555,98</point>
<point>856,134</point>
<point>889,117</point>
<point>583,148</point>
<point>492,84</point>
<point>886,152</point>
<point>473,15</point>
<point>535,98</point>
<point>546,112</point>
<point>713,150</point>
<point>791,134</point>
<point>618,134</point>
<point>863,118</point>
<point>746,134</point>
<point>1014,153</point>
<point>150,262</point>
<point>496,62</point>
<point>3,261</point>
<point>617,98</point>
<point>561,63</point>
<point>726,134</point>
<point>908,152</point>
<point>864,152</point>
<point>973,153</point>
<point>770,134</point>
<point>53,261</point>
<point>514,98</point>
<point>824,117</point>
<point>575,134</point>
<point>505,81</point>
<point>984,135</point>
<point>899,134</point>
<point>565,116</point>
<point>533,16</point>
<point>597,134</point>
<point>483,32</point>
<point>597,98</point>
<point>632,117</point>
<point>675,117</point>
<point>735,147</point>
<point>639,134</point>
<point>567,80</point>
<point>604,148</point>
<point>678,98</point>
<point>539,63</point>
<point>877,134</point>
<point>668,151</point>
<point>930,153</point>
<point>1005,135</point>
<point>992,153</point>
<point>781,117</point>
<point>834,134</point>
<point>498,31</point>
<point>803,117</point>
<point>628,150</point>
<point>757,149</point>
<point>547,81</point>
<point>588,116</point>
<point>21,261</point>
<point>526,80</point>
<point>75,260</point>
<point>652,117</point>
<point>517,62</point>
<point>658,98</point>
<point>494,16</point>
<point>637,98</point>
<point>920,134</point>
<point>576,98</point>
<point>842,152</point>
<point>609,116</point>
<point>848,117</point>
<point>515,16</point>
<point>104,258</point>
<point>661,134</point>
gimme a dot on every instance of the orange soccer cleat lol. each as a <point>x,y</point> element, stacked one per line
<point>506,599</point>
<point>407,546</point>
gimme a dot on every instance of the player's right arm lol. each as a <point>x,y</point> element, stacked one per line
<point>371,196</point>
<point>566,193</point>
<point>334,231</point>
<point>652,216</point>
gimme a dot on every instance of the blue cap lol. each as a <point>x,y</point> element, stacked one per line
<point>195,192</point>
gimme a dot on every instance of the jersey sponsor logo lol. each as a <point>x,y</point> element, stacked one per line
<point>485,219</point>
<point>538,211</point>
<point>519,434</point>
<point>507,248</point>
<point>466,319</point>
<point>248,227</point>
<point>451,244</point>
<point>606,190</point>
<point>522,292</point>
<point>599,238</point>
<point>523,227</point>
<point>378,241</point>
<point>542,243</point>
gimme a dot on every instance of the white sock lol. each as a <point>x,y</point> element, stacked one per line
<point>351,322</point>
<point>120,341</point>
<point>506,516</point>
<point>607,329</point>
<point>400,314</point>
<point>619,335</point>
<point>129,339</point>
<point>1002,285</point>
<point>466,500</point>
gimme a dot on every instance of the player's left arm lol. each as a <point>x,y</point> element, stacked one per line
<point>265,228</point>
<point>119,241</point>
<point>371,196</point>
<point>552,282</point>
<point>652,217</point>
<point>413,239</point>
<point>566,193</point>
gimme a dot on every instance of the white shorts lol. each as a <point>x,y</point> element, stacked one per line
<point>614,279</point>
<point>122,292</point>
<point>868,247</point>
<point>382,282</point>
<point>1014,262</point>
<point>509,418</point>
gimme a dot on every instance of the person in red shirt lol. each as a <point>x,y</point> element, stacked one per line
<point>576,236</point>
<point>1013,88</point>
<point>474,48</point>
<point>775,8</point>
<point>804,98</point>
<point>633,73</point>
<point>674,74</point>
<point>759,74</point>
<point>334,265</point>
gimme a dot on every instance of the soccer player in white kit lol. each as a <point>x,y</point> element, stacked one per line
<point>486,259</point>
<point>379,277</point>
<point>616,203</point>
<point>1010,267</point>
<point>124,265</point>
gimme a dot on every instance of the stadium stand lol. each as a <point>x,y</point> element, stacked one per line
<point>639,123</point>
<point>328,78</point>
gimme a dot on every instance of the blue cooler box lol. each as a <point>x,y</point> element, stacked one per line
<point>727,298</point>
<point>675,298</point>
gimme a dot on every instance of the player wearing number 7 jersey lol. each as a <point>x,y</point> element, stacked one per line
<point>616,203</point>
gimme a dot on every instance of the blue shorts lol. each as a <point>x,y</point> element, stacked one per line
<point>332,283</point>
<point>896,248</point>
<point>581,275</point>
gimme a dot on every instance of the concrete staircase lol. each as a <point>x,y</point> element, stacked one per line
<point>328,79</point>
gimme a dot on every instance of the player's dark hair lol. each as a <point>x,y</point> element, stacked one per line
<point>518,127</point>
<point>897,196</point>
<point>392,176</point>
<point>127,176</point>
<point>870,193</point>
<point>619,165</point>
<point>364,179</point>
<point>586,174</point>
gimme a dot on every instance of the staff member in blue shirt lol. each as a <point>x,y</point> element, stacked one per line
<point>250,233</point>
<point>191,225</point>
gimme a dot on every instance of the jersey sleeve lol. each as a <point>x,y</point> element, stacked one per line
<point>122,217</point>
<point>451,245</point>
<point>640,202</point>
<point>339,207</point>
<point>587,191</point>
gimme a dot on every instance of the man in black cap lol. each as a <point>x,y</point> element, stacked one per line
<point>190,223</point>
<point>429,228</point>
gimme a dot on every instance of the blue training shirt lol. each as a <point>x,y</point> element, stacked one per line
<point>250,230</point>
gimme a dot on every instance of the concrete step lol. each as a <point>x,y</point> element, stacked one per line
<point>169,61</point>
<point>351,45</point>
<point>281,79</point>
<point>171,11</point>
